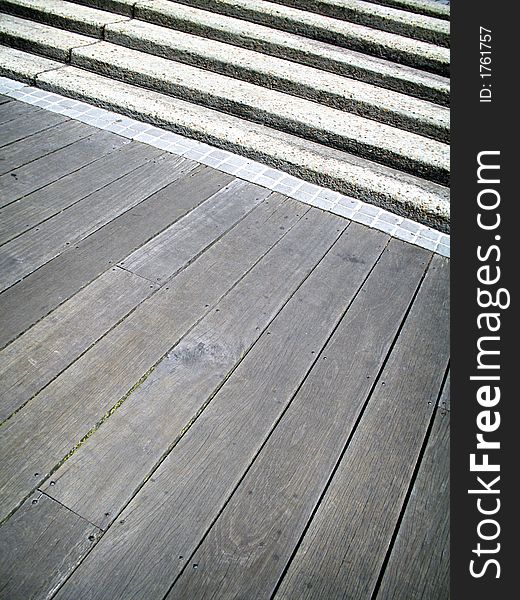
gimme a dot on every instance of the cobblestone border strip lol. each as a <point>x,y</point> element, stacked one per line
<point>244,168</point>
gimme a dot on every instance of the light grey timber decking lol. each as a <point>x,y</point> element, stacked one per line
<point>209,389</point>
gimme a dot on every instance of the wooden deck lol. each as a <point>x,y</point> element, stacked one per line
<point>209,390</point>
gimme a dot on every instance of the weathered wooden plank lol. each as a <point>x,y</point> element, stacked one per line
<point>49,168</point>
<point>154,260</point>
<point>40,435</point>
<point>11,109</point>
<point>38,356</point>
<point>39,546</point>
<point>246,551</point>
<point>34,297</point>
<point>26,125</point>
<point>40,144</point>
<point>108,166</point>
<point>230,431</point>
<point>93,481</point>
<point>355,521</point>
<point>444,404</point>
<point>419,563</point>
<point>24,254</point>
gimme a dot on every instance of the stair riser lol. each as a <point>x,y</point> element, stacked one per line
<point>430,9</point>
<point>258,114</point>
<point>273,81</point>
<point>120,7</point>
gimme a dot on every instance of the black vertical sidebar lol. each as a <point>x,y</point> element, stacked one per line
<point>485,235</point>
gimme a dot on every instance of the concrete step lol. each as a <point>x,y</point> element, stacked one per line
<point>394,147</point>
<point>20,65</point>
<point>247,35</point>
<point>333,90</point>
<point>402,22</point>
<point>255,82</point>
<point>432,8</point>
<point>403,194</point>
<point>40,39</point>
<point>121,7</point>
<point>64,15</point>
<point>378,43</point>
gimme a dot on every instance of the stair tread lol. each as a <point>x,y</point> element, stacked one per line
<point>422,7</point>
<point>59,13</point>
<point>419,7</point>
<point>23,66</point>
<point>121,7</point>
